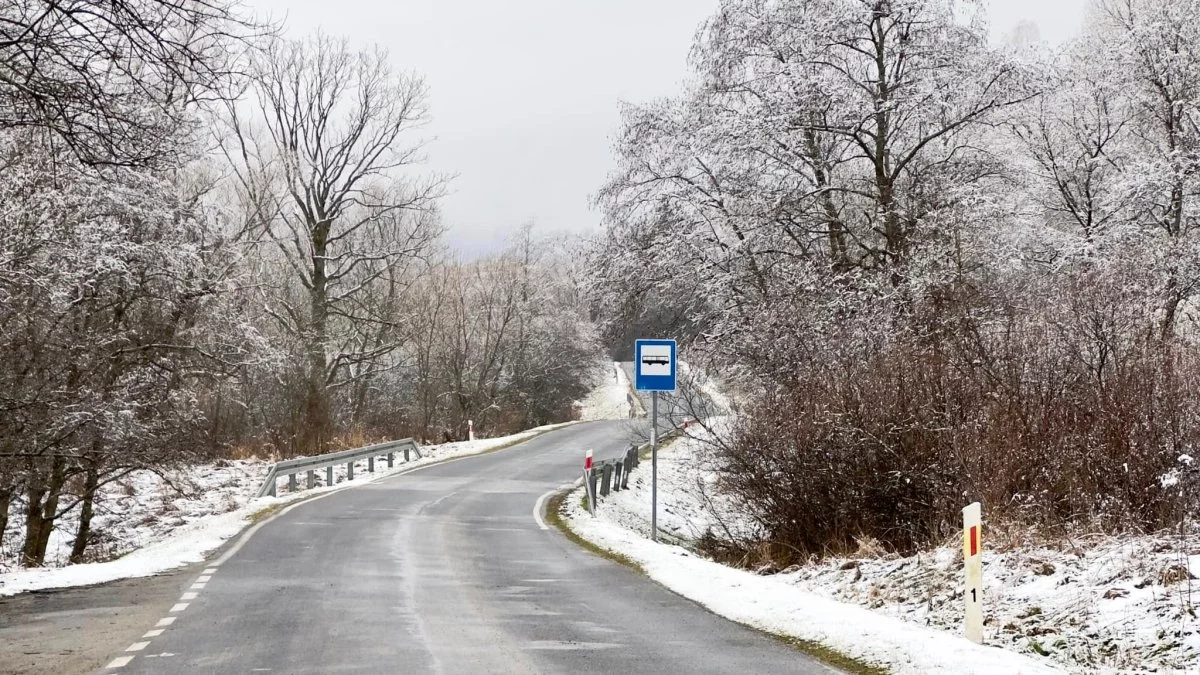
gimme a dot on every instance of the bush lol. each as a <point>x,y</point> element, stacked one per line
<point>1049,421</point>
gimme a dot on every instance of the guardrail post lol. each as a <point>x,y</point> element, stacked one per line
<point>618,469</point>
<point>370,465</point>
<point>606,480</point>
<point>406,453</point>
<point>350,470</point>
<point>329,475</point>
<point>273,483</point>
<point>629,464</point>
<point>593,477</point>
<point>391,458</point>
<point>291,482</point>
<point>312,479</point>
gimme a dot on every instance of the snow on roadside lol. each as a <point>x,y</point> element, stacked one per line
<point>609,400</point>
<point>689,503</point>
<point>1110,606</point>
<point>773,605</point>
<point>153,526</point>
<point>1102,606</point>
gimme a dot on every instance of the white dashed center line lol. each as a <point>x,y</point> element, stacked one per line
<point>159,628</point>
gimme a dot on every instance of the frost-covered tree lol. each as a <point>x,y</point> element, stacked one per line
<point>114,80</point>
<point>107,276</point>
<point>825,143</point>
<point>1155,49</point>
<point>322,163</point>
<point>909,245</point>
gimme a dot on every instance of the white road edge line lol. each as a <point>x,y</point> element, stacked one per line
<point>204,578</point>
<point>119,662</point>
<point>198,586</point>
<point>189,596</point>
<point>179,607</point>
<point>537,509</point>
<point>138,646</point>
<point>167,621</point>
<point>541,501</point>
<point>153,633</point>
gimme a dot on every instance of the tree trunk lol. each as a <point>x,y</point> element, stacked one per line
<point>317,421</point>
<point>5,501</point>
<point>91,483</point>
<point>41,513</point>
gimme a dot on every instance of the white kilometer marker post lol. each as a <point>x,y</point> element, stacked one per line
<point>973,571</point>
<point>587,482</point>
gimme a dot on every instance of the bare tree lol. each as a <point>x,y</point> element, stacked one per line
<point>322,159</point>
<point>116,79</point>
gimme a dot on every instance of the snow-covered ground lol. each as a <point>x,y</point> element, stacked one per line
<point>1088,606</point>
<point>772,604</point>
<point>1108,606</point>
<point>149,524</point>
<point>609,400</point>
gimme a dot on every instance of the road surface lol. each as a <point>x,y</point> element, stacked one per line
<point>443,570</point>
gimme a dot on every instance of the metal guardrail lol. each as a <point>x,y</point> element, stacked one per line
<point>610,475</point>
<point>292,467</point>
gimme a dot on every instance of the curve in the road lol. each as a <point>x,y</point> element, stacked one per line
<point>443,570</point>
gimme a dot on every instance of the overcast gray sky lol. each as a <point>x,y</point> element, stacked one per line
<point>525,92</point>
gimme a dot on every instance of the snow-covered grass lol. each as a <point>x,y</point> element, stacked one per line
<point>148,524</point>
<point>1106,606</point>
<point>689,504</point>
<point>609,400</point>
<point>1086,605</point>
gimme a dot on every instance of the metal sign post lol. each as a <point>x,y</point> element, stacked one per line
<point>654,466</point>
<point>654,371</point>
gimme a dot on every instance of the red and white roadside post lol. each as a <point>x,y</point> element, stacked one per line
<point>470,430</point>
<point>973,571</point>
<point>587,482</point>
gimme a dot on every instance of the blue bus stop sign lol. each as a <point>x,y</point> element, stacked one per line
<point>654,365</point>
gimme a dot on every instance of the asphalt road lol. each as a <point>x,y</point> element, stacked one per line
<point>444,570</point>
<point>74,630</point>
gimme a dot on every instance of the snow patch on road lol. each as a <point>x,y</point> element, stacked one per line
<point>155,524</point>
